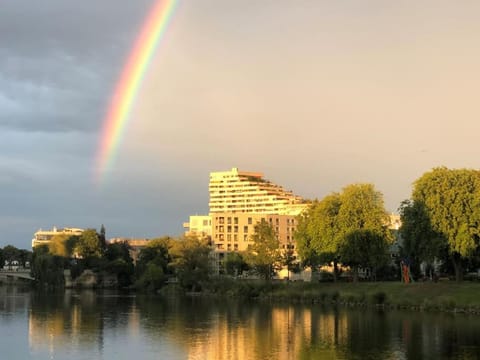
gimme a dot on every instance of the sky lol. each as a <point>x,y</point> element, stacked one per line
<point>315,94</point>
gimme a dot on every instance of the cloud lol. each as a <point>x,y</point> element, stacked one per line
<point>59,61</point>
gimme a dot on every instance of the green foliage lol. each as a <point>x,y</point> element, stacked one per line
<point>234,264</point>
<point>289,259</point>
<point>89,244</point>
<point>362,208</point>
<point>325,227</point>
<point>119,262</point>
<point>263,255</point>
<point>451,198</point>
<point>156,252</point>
<point>419,241</point>
<point>317,231</point>
<point>363,248</point>
<point>63,245</point>
<point>47,269</point>
<point>191,262</point>
<point>152,278</point>
<point>11,253</point>
<point>102,237</point>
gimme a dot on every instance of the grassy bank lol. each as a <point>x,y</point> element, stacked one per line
<point>443,296</point>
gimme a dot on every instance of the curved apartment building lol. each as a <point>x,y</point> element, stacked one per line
<point>248,192</point>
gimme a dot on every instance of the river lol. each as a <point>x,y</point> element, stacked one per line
<point>107,325</point>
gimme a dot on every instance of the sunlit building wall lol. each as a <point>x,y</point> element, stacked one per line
<point>233,231</point>
<point>43,237</point>
<point>249,192</point>
<point>199,226</point>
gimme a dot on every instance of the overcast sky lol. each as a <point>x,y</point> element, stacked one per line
<point>315,94</point>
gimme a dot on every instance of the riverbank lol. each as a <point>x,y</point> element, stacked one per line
<point>428,296</point>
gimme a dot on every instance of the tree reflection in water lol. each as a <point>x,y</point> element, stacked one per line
<point>109,325</point>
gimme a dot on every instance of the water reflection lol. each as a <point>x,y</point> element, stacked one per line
<point>91,325</point>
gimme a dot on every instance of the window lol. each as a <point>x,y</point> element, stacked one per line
<point>221,220</point>
<point>245,237</point>
<point>221,237</point>
<point>245,229</point>
<point>229,228</point>
<point>205,222</point>
<point>229,220</point>
<point>235,220</point>
<point>235,247</point>
<point>235,237</point>
<point>229,237</point>
<point>221,229</point>
<point>276,221</point>
<point>249,221</point>
<point>235,228</point>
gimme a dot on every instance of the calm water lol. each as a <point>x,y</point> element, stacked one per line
<point>91,325</point>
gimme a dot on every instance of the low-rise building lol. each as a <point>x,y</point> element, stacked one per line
<point>199,226</point>
<point>43,237</point>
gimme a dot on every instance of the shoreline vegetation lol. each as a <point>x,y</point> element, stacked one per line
<point>447,296</point>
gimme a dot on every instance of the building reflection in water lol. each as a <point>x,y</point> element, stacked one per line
<point>65,321</point>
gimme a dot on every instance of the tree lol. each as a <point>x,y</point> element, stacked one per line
<point>10,253</point>
<point>317,232</point>
<point>102,237</point>
<point>452,202</point>
<point>234,264</point>
<point>120,262</point>
<point>153,264</point>
<point>420,243</point>
<point>362,208</point>
<point>58,245</point>
<point>327,223</point>
<point>263,255</point>
<point>89,244</point>
<point>365,249</point>
<point>289,259</point>
<point>191,262</point>
<point>47,269</point>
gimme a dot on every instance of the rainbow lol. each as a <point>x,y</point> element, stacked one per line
<point>117,115</point>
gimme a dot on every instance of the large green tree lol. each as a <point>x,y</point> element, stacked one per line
<point>153,264</point>
<point>325,226</point>
<point>191,262</point>
<point>263,255</point>
<point>420,243</point>
<point>363,249</point>
<point>317,232</point>
<point>452,202</point>
<point>89,245</point>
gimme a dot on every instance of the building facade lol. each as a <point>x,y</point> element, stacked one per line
<point>199,226</point>
<point>233,231</point>
<point>237,191</point>
<point>241,199</point>
<point>43,237</point>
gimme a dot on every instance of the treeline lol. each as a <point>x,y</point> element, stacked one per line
<point>78,253</point>
<point>10,254</point>
<point>440,226</point>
